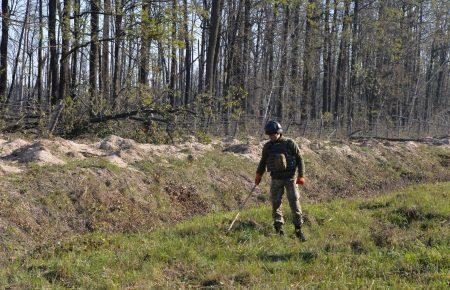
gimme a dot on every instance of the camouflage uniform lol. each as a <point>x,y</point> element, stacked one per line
<point>284,180</point>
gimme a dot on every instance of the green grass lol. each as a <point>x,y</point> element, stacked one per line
<point>398,240</point>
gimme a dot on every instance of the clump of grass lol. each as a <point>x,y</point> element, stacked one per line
<point>354,243</point>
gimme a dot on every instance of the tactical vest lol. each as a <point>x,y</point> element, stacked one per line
<point>280,161</point>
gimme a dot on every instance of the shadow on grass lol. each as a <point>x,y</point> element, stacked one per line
<point>249,226</point>
<point>306,256</point>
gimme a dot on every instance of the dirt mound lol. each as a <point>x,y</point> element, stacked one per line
<point>248,150</point>
<point>238,148</point>
<point>347,151</point>
<point>131,151</point>
<point>8,147</point>
<point>36,152</point>
<point>119,151</point>
<point>116,143</point>
<point>72,149</point>
<point>125,152</point>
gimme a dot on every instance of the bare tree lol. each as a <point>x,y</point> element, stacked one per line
<point>342,65</point>
<point>117,45</point>
<point>76,39</point>
<point>310,60</point>
<point>145,43</point>
<point>64,68</point>
<point>283,65</point>
<point>53,50</point>
<point>212,42</point>
<point>40,60</point>
<point>188,54</point>
<point>4,50</point>
<point>106,83</point>
<point>173,54</point>
<point>93,56</point>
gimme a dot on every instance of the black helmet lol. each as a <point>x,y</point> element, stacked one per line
<point>273,127</point>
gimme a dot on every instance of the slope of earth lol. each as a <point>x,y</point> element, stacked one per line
<point>51,190</point>
<point>396,240</point>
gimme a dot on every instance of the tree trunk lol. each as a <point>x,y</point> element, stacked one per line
<point>268,56</point>
<point>187,57</point>
<point>339,104</point>
<point>16,60</point>
<point>354,51</point>
<point>283,65</point>
<point>231,70</point>
<point>311,60</point>
<point>173,61</point>
<point>201,62</point>
<point>117,44</point>
<point>64,69</point>
<point>306,69</point>
<point>212,42</point>
<point>53,52</point>
<point>4,51</point>
<point>331,57</point>
<point>106,83</point>
<point>294,97</point>
<point>76,39</point>
<point>40,60</point>
<point>145,43</point>
<point>440,101</point>
<point>246,56</point>
<point>430,83</point>
<point>93,55</point>
<point>326,59</point>
<point>21,81</point>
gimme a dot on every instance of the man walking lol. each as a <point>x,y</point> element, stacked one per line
<point>282,157</point>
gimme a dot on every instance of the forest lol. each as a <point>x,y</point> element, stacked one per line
<point>225,67</point>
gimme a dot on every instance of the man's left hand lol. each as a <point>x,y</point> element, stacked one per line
<point>300,180</point>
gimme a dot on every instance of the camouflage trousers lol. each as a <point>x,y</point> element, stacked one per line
<point>277,188</point>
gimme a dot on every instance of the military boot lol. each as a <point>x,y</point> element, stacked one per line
<point>279,229</point>
<point>300,235</point>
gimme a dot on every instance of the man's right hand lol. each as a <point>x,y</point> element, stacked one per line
<point>258,179</point>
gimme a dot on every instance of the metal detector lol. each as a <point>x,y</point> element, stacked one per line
<point>241,207</point>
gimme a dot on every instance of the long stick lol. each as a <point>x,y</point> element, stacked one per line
<point>241,206</point>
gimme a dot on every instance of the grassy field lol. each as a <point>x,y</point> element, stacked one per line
<point>399,240</point>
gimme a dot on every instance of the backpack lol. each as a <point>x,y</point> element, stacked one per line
<point>280,159</point>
